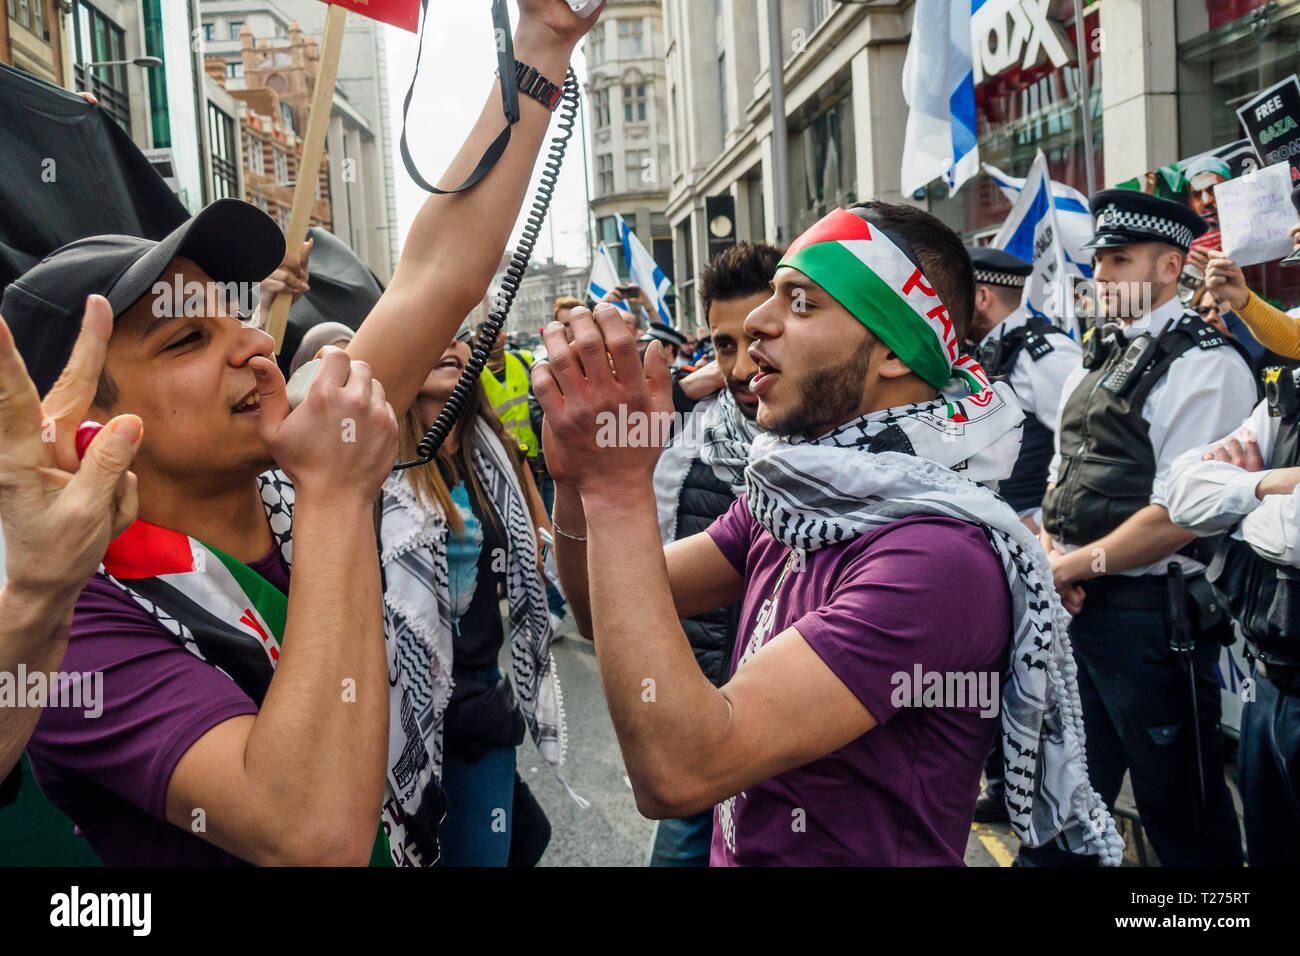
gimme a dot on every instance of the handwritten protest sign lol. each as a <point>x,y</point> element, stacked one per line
<point>1255,215</point>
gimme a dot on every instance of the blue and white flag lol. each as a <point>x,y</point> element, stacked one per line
<point>645,272</point>
<point>1072,215</point>
<point>939,86</point>
<point>1031,232</point>
<point>604,277</point>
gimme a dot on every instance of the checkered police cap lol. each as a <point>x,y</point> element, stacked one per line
<point>1127,217</point>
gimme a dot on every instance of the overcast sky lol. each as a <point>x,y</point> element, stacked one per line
<point>456,74</point>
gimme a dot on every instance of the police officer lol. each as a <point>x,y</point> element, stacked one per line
<point>1017,346</point>
<point>1246,483</point>
<point>1156,382</point>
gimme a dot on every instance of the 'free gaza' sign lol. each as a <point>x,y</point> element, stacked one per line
<point>1272,121</point>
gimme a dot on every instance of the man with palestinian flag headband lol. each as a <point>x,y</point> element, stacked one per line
<point>885,588</point>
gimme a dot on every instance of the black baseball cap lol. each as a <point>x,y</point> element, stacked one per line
<point>230,240</point>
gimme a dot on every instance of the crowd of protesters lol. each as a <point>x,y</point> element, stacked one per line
<point>902,535</point>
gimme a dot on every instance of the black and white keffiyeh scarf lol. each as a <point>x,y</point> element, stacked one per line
<point>716,433</point>
<point>933,459</point>
<point>225,614</point>
<point>417,606</point>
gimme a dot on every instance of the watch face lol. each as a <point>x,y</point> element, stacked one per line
<point>720,226</point>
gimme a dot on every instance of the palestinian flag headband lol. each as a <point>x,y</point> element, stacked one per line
<point>868,273</point>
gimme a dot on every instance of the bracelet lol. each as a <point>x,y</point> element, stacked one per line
<point>533,84</point>
<point>564,534</point>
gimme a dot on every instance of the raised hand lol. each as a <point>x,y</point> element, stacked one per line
<point>60,513</point>
<point>342,440</point>
<point>607,416</point>
<point>558,17</point>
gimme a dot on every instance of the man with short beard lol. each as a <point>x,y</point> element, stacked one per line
<point>701,472</point>
<point>869,558</point>
<point>1156,382</point>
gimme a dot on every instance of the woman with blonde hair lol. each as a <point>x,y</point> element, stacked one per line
<point>455,536</point>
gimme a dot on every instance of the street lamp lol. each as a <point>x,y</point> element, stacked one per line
<point>148,62</point>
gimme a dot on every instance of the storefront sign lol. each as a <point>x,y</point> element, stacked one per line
<point>1272,121</point>
<point>1010,33</point>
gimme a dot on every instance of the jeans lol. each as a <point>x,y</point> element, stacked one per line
<point>683,842</point>
<point>480,803</point>
<point>1268,775</point>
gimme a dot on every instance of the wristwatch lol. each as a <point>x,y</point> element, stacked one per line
<point>537,86</point>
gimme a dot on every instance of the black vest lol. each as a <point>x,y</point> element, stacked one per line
<point>1028,480</point>
<point>1107,463</point>
<point>704,498</point>
<point>1263,597</point>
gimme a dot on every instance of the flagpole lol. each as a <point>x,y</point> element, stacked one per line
<point>780,133</point>
<point>1085,104</point>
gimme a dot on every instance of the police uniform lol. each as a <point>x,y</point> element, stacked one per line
<point>1035,358</point>
<point>1149,391</point>
<point>1256,574</point>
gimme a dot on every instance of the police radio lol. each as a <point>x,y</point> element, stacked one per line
<point>1281,393</point>
<point>503,41</point>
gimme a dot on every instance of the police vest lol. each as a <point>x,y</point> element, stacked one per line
<point>1028,480</point>
<point>1107,463</point>
<point>1262,596</point>
<point>510,399</point>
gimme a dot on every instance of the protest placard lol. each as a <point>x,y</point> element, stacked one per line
<point>1255,215</point>
<point>1272,121</point>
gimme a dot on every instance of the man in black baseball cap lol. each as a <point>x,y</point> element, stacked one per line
<point>230,241</point>
<point>235,698</point>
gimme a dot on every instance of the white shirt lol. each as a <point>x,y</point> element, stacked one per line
<point>1038,382</point>
<point>1204,394</point>
<point>1211,496</point>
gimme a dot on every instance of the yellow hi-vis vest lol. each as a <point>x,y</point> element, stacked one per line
<point>510,399</point>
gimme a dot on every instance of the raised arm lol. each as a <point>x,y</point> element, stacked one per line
<point>59,515</point>
<point>455,244</point>
<point>302,781</point>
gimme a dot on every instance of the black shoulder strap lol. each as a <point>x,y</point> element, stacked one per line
<point>505,45</point>
<point>1177,340</point>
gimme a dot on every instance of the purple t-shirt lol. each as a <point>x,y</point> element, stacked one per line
<point>919,596</point>
<point>110,773</point>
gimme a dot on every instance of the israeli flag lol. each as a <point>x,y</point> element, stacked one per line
<point>1072,215</point>
<point>939,86</point>
<point>1031,232</point>
<point>604,277</point>
<point>645,272</point>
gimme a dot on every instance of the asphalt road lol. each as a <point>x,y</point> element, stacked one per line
<point>610,832</point>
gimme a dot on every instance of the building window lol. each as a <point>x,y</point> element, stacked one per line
<point>823,163</point>
<point>605,174</point>
<point>256,163</point>
<point>600,108</point>
<point>221,138</point>
<point>597,45</point>
<point>640,170</point>
<point>209,31</point>
<point>286,116</point>
<point>100,39</point>
<point>281,168</point>
<point>634,103</point>
<point>631,39</point>
<point>29,14</point>
<point>234,71</point>
<point>819,10</point>
<point>235,27</point>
